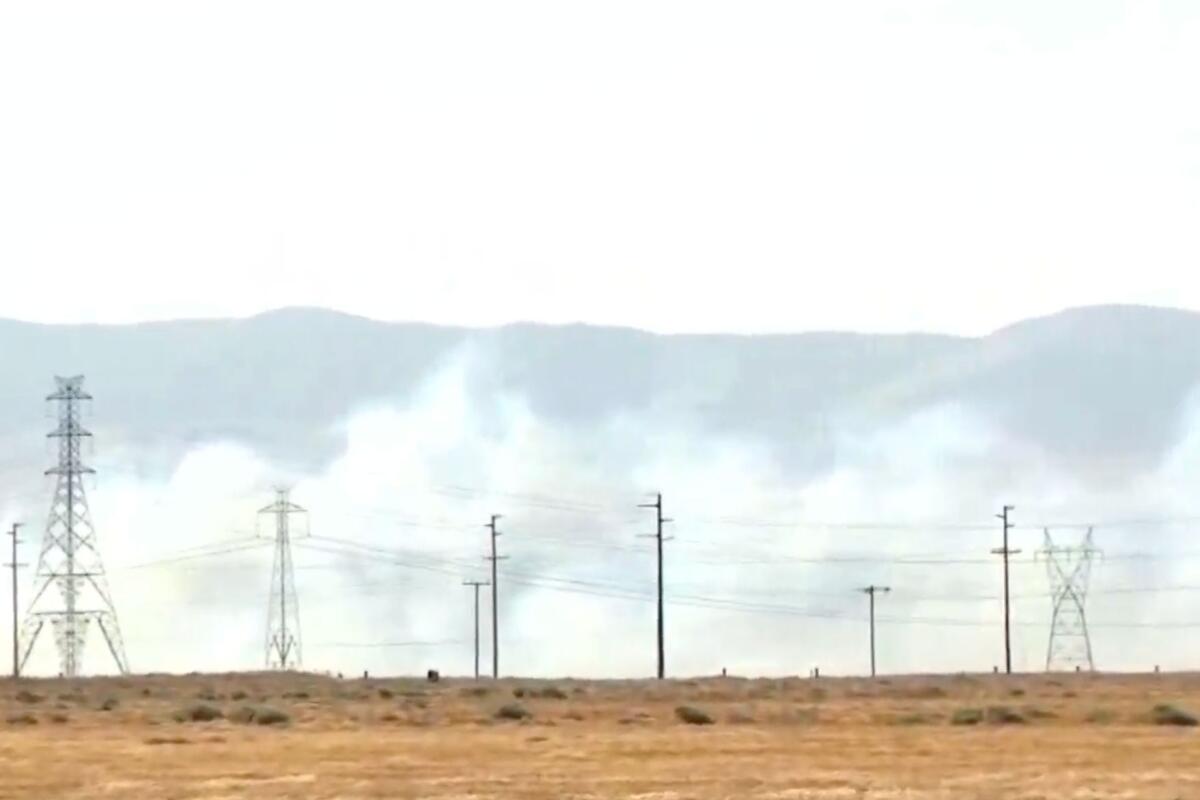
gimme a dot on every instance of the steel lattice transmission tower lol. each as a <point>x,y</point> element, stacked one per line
<point>283,612</point>
<point>1070,571</point>
<point>70,560</point>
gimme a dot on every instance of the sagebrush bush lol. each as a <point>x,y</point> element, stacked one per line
<point>198,712</point>
<point>1171,715</point>
<point>514,711</point>
<point>966,716</point>
<point>693,716</point>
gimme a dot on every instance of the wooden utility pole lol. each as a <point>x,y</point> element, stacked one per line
<point>495,597</point>
<point>1005,551</point>
<point>476,585</point>
<point>16,639</point>
<point>871,591</point>
<point>657,505</point>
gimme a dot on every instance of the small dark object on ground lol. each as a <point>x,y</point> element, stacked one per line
<point>966,716</point>
<point>1170,715</point>
<point>26,696</point>
<point>693,716</point>
<point>385,693</point>
<point>512,711</point>
<point>198,712</point>
<point>109,704</point>
<point>432,676</point>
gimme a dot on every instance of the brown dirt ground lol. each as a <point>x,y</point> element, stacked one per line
<point>1082,736</point>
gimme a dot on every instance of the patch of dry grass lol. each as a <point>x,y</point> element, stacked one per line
<point>777,739</point>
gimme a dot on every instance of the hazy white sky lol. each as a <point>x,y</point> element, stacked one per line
<point>686,165</point>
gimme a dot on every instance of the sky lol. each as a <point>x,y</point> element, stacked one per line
<point>675,166</point>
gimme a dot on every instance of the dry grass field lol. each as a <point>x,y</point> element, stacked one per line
<point>304,736</point>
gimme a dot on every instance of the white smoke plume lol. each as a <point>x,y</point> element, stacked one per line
<point>762,573</point>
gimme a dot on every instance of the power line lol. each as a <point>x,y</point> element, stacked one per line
<point>616,591</point>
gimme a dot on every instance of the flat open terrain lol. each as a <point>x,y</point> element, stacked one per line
<point>1044,736</point>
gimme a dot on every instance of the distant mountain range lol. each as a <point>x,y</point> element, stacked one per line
<point>1090,385</point>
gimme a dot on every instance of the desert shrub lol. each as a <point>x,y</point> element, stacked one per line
<point>1003,715</point>
<point>1017,692</point>
<point>1172,715</point>
<point>22,719</point>
<point>208,695</point>
<point>109,704</point>
<point>146,692</point>
<point>575,716</point>
<point>966,716</point>
<point>548,693</point>
<point>385,693</point>
<point>520,692</point>
<point>259,715</point>
<point>476,691</point>
<point>1100,716</point>
<point>28,697</point>
<point>238,694</point>
<point>512,711</point>
<point>304,696</point>
<point>73,697</point>
<point>198,712</point>
<point>817,695</point>
<point>388,716</point>
<point>693,716</point>
<point>59,719</point>
<point>925,693</point>
<point>265,715</point>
